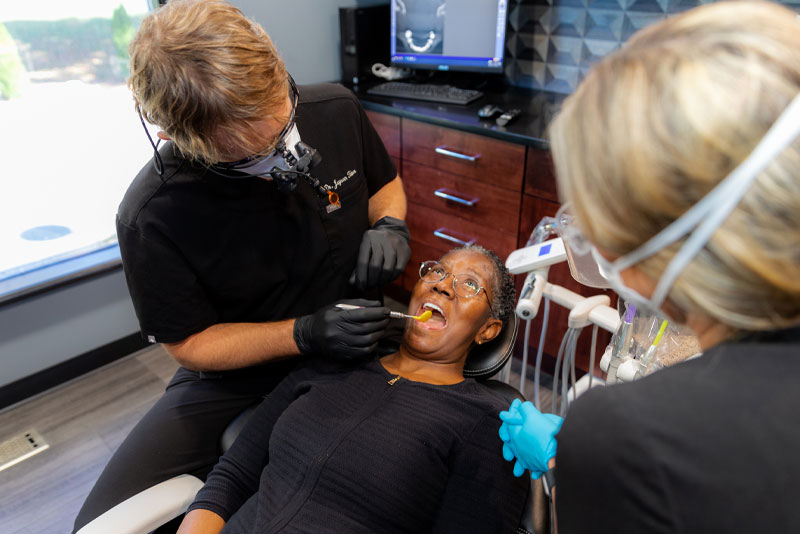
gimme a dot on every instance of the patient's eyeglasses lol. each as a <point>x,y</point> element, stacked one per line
<point>464,285</point>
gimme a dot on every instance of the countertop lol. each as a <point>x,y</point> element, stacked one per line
<point>538,109</point>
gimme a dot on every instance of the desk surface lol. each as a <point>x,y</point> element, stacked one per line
<point>538,109</point>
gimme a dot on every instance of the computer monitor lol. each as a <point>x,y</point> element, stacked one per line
<point>463,35</point>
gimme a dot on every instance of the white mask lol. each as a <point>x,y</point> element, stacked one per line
<point>263,166</point>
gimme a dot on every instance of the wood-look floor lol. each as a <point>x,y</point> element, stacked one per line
<point>83,421</point>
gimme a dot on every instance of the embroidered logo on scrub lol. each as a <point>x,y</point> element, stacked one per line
<point>336,183</point>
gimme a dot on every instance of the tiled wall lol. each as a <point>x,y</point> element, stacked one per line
<point>551,44</point>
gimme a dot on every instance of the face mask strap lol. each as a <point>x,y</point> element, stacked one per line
<point>614,278</point>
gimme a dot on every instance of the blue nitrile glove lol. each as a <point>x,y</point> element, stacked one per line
<point>342,334</point>
<point>529,436</point>
<point>383,255</point>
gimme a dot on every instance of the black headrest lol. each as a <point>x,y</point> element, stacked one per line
<point>485,360</point>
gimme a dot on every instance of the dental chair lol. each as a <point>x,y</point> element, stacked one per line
<point>157,505</point>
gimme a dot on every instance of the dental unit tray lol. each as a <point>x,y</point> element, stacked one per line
<point>536,256</point>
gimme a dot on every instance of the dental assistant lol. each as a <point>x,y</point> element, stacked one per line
<point>680,157</point>
<point>267,204</point>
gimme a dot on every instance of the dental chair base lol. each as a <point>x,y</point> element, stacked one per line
<point>161,503</point>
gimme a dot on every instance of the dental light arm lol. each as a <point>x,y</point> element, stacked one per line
<point>591,310</point>
<point>599,313</point>
<point>537,259</point>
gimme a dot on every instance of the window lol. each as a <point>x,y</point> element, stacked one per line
<point>71,139</point>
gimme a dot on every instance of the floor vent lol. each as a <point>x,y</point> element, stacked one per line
<point>21,447</point>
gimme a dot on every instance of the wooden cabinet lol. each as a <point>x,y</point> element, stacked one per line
<point>388,128</point>
<point>455,195</point>
<point>540,178</point>
<point>464,154</point>
<point>463,187</point>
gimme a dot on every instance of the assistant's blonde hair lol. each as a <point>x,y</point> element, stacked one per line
<point>203,72</point>
<point>657,125</point>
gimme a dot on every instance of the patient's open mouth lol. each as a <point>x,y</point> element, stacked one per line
<point>437,320</point>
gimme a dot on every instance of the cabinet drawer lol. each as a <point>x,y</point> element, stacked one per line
<point>433,228</point>
<point>462,197</point>
<point>474,156</point>
<point>388,128</point>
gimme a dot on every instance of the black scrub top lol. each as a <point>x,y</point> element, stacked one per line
<point>200,249</point>
<point>707,446</point>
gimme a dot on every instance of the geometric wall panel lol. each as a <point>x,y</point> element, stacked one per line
<point>552,44</point>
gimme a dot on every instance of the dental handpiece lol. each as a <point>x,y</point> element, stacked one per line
<point>427,314</point>
<point>619,351</point>
<point>626,331</point>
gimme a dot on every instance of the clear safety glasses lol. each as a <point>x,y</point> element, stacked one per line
<point>464,285</point>
<point>582,265</point>
<point>702,219</point>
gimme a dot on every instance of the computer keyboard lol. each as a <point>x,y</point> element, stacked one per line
<point>429,92</point>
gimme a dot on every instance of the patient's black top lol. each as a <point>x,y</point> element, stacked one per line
<point>709,446</point>
<point>200,249</point>
<point>358,451</point>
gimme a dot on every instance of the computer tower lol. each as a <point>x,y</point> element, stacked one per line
<point>365,41</point>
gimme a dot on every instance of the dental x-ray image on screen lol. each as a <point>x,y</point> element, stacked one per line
<point>449,34</point>
<point>419,26</point>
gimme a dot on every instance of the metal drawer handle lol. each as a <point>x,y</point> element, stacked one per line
<point>448,195</point>
<point>440,233</point>
<point>445,152</point>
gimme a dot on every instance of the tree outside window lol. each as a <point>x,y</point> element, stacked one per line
<point>70,137</point>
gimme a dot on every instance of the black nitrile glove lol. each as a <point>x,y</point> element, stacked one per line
<point>383,255</point>
<point>342,334</point>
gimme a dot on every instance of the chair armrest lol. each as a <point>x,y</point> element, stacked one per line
<point>148,509</point>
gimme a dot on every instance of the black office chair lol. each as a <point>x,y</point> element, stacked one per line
<point>164,502</point>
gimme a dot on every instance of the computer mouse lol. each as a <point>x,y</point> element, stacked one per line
<point>489,111</point>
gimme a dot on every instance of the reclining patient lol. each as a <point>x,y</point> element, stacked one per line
<point>398,444</point>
